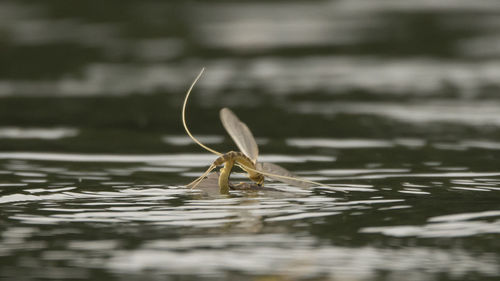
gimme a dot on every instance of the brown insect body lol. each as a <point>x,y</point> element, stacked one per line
<point>228,160</point>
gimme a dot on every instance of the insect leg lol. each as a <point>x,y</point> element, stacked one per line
<point>198,180</point>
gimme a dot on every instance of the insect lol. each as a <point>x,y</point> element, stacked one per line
<point>246,159</point>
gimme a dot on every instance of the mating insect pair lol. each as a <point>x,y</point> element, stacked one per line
<point>246,159</point>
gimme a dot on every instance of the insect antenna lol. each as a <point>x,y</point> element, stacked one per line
<point>184,117</point>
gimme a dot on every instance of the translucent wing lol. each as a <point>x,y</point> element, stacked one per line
<point>272,169</point>
<point>240,134</point>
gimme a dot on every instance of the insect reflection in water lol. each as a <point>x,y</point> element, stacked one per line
<point>246,159</point>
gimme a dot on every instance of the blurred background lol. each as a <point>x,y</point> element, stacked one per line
<point>396,101</point>
<point>376,68</point>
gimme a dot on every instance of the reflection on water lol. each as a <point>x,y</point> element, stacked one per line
<point>200,232</point>
<point>394,101</point>
<point>375,46</point>
<point>457,225</point>
<point>474,113</point>
<point>297,257</point>
<point>331,74</point>
<point>37,133</point>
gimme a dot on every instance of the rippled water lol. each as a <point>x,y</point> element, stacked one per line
<point>69,215</point>
<point>395,102</point>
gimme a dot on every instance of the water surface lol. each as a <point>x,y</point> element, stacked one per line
<point>396,103</point>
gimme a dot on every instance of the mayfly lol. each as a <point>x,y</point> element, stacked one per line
<point>246,159</point>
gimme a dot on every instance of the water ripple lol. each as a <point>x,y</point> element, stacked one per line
<point>295,257</point>
<point>37,133</point>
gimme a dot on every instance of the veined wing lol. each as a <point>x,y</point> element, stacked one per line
<point>281,174</point>
<point>240,134</point>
